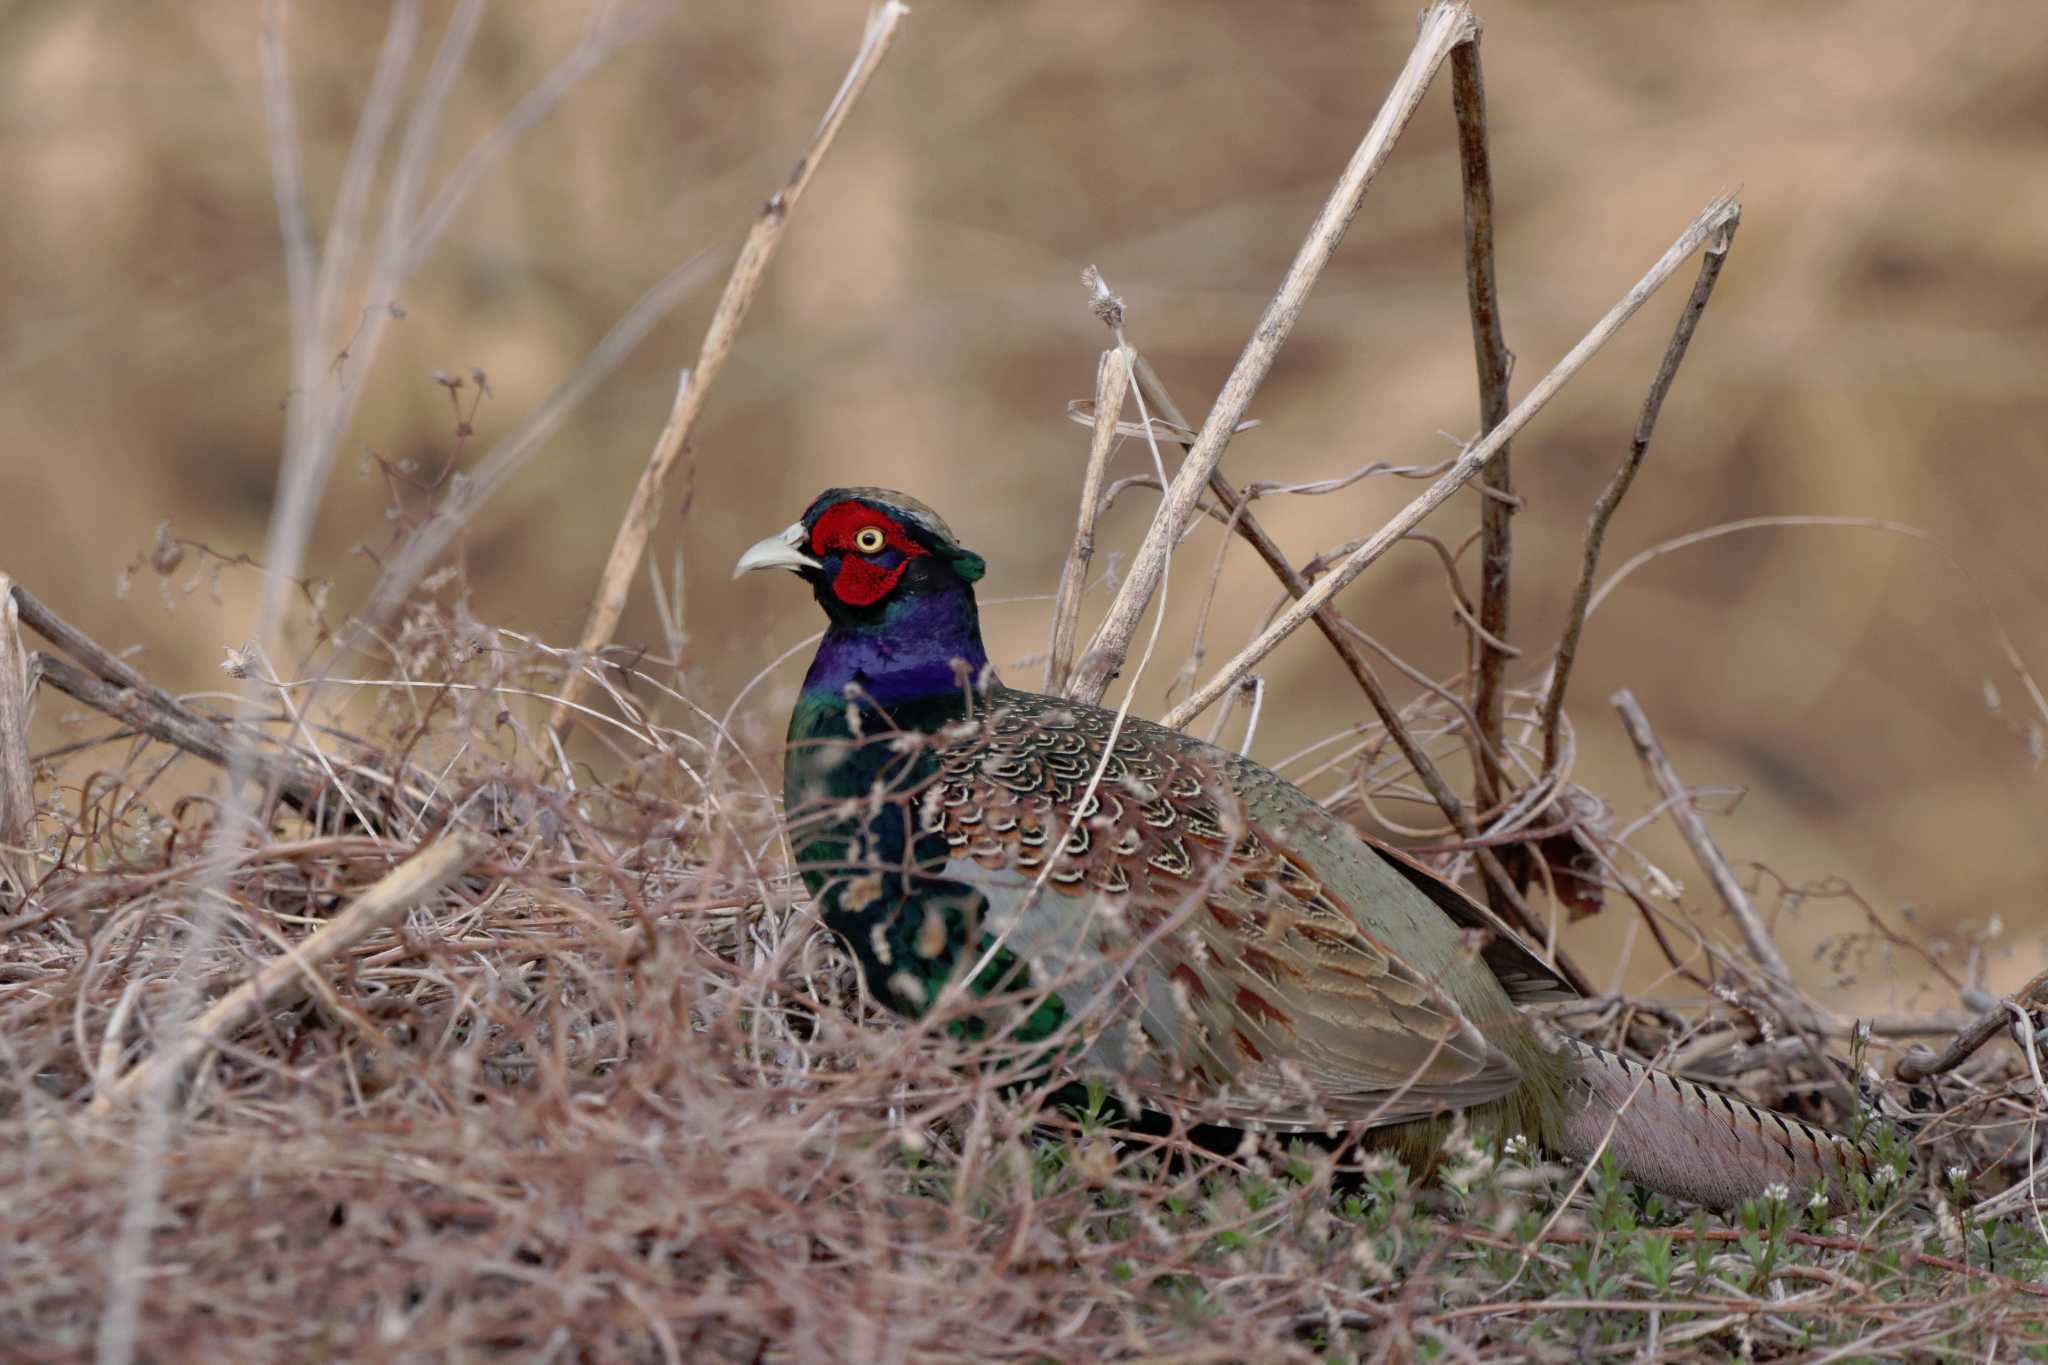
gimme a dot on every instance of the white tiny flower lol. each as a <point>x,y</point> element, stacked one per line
<point>1518,1147</point>
<point>1886,1175</point>
<point>1819,1200</point>
<point>1957,1175</point>
<point>1776,1193</point>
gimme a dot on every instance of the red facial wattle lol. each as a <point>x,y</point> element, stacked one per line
<point>861,582</point>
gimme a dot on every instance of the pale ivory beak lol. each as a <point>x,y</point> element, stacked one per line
<point>783,550</point>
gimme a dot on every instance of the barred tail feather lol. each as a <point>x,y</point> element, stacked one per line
<point>1694,1142</point>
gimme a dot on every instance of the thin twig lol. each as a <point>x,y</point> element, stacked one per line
<point>630,544</point>
<point>1702,844</point>
<point>1112,378</point>
<point>419,876</point>
<point>298,785</point>
<point>102,662</point>
<point>1462,470</point>
<point>111,686</point>
<point>1443,26</point>
<point>1920,1063</point>
<point>1502,895</point>
<point>1711,261</point>
<point>1494,362</point>
<point>1236,510</point>
<point>201,736</point>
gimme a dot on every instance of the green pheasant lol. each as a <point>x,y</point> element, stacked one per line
<point>1171,915</point>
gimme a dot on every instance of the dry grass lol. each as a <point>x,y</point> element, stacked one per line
<point>614,1096</point>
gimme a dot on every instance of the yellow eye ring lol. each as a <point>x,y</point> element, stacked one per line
<point>869,540</point>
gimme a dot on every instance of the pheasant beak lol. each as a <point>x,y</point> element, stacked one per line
<point>783,550</point>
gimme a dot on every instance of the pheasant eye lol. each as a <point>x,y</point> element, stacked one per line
<point>869,540</point>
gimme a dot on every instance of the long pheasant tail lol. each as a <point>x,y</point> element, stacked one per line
<point>1692,1141</point>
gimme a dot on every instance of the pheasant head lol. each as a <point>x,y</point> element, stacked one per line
<point>898,594</point>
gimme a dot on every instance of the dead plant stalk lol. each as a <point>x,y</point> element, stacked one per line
<point>1112,379</point>
<point>1551,717</point>
<point>1710,219</point>
<point>1754,932</point>
<point>1495,364</point>
<point>17,779</point>
<point>629,546</point>
<point>1502,895</point>
<point>1443,27</point>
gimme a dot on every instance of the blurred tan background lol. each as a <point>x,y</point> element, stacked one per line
<point>1876,349</point>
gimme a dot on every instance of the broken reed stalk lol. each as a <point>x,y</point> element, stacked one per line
<point>1694,830</point>
<point>1443,26</point>
<point>17,776</point>
<point>1490,354</point>
<point>629,546</point>
<point>380,906</point>
<point>1462,470</point>
<point>1551,716</point>
<point>1112,378</point>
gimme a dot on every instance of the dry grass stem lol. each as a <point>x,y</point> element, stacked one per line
<point>1112,378</point>
<point>630,544</point>
<point>1462,470</point>
<point>1552,714</point>
<point>1495,363</point>
<point>1687,817</point>
<point>1235,507</point>
<point>1443,26</point>
<point>197,735</point>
